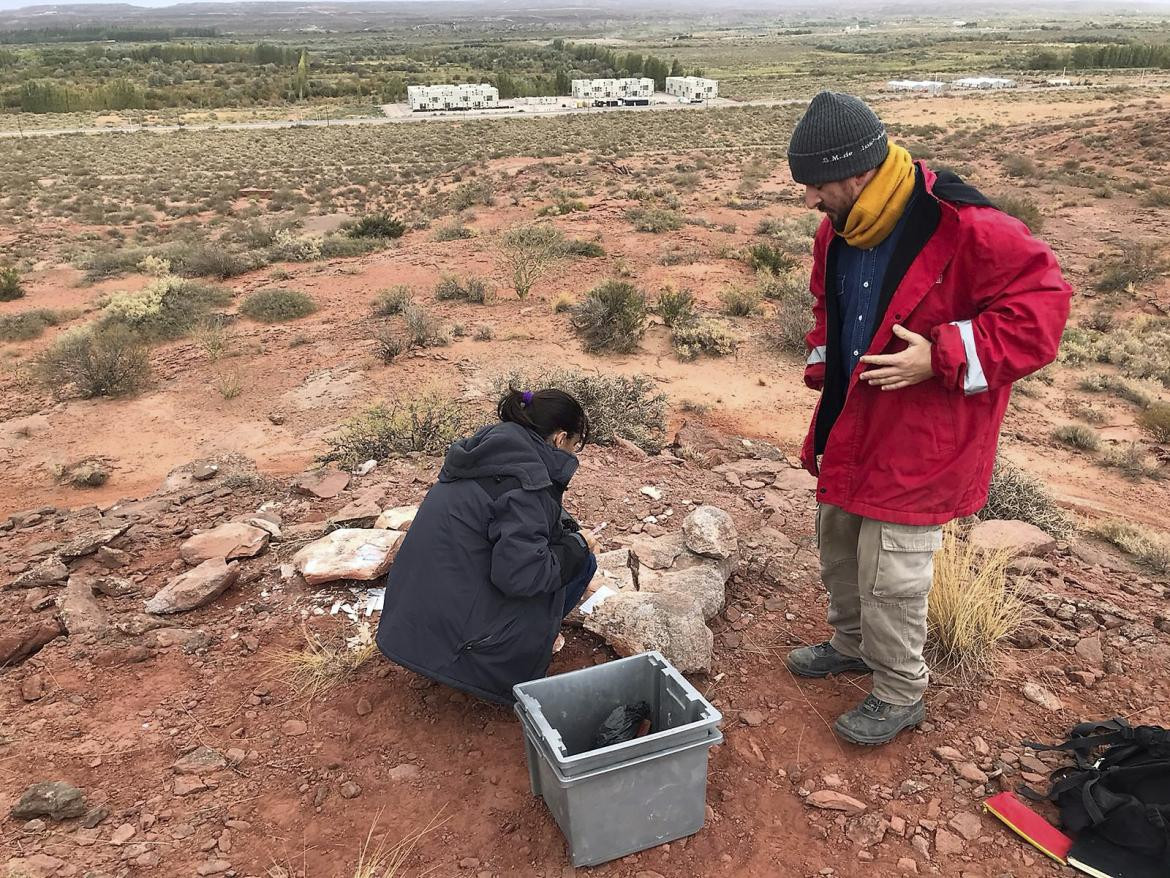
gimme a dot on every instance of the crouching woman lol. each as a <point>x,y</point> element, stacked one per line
<point>492,563</point>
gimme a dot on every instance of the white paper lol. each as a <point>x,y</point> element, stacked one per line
<point>596,598</point>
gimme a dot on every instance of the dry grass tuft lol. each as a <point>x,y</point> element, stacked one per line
<point>321,665</point>
<point>380,861</point>
<point>1150,549</point>
<point>972,607</point>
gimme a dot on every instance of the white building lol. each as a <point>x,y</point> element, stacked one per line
<point>692,88</point>
<point>426,98</point>
<point>929,86</point>
<point>613,92</point>
<point>984,82</point>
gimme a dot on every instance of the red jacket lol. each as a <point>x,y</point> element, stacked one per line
<point>992,300</point>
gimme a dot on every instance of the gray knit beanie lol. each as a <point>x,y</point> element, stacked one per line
<point>838,137</point>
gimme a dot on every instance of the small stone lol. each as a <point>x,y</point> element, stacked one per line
<point>228,542</point>
<point>967,825</point>
<point>294,727</point>
<point>469,863</point>
<point>363,706</point>
<point>347,553</point>
<point>213,867</point>
<point>650,491</point>
<point>80,610</point>
<point>202,760</point>
<point>1036,693</point>
<point>185,785</point>
<point>122,834</point>
<point>323,483</point>
<point>947,843</point>
<point>350,790</point>
<point>752,717</point>
<point>832,800</point>
<point>399,518</point>
<point>55,799</point>
<point>970,771</point>
<point>948,754</point>
<point>907,866</point>
<point>34,687</point>
<point>196,587</point>
<point>51,571</point>
<point>1089,649</point>
<point>405,771</point>
<point>1017,537</point>
<point>34,866</point>
<point>204,471</point>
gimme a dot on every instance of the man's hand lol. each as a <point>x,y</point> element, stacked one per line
<point>590,541</point>
<point>904,369</point>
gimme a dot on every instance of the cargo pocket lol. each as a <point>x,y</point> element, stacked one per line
<point>905,565</point>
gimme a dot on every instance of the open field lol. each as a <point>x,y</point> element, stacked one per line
<point>256,289</point>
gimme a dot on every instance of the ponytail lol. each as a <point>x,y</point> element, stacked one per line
<point>545,412</point>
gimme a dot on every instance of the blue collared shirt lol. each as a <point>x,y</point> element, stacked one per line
<point>860,274</point>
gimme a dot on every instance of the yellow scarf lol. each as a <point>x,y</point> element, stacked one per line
<point>882,201</point>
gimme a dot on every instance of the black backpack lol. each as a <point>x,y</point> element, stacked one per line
<point>1122,794</point>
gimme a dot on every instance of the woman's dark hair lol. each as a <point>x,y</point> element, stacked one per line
<point>545,412</point>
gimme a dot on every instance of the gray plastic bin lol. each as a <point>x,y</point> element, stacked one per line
<point>631,796</point>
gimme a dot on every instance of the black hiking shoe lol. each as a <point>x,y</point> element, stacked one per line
<point>875,722</point>
<point>822,660</point>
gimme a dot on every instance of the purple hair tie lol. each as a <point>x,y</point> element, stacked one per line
<point>526,398</point>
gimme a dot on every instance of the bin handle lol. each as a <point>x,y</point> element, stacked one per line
<point>532,707</point>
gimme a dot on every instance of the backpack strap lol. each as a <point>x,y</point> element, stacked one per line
<point>1081,743</point>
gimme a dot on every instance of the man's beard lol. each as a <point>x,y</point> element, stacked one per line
<point>838,220</point>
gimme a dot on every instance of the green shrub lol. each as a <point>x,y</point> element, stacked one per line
<point>618,406</point>
<point>740,301</point>
<point>426,424</point>
<point>484,332</point>
<point>612,317</point>
<point>1131,391</point>
<point>1077,436</point>
<point>376,225</point>
<point>278,305</point>
<point>28,325</point>
<point>473,290</point>
<point>769,258</point>
<point>1017,165</point>
<point>169,307</point>
<point>585,249</point>
<point>11,285</point>
<point>101,265</point>
<point>1133,461</point>
<point>1155,420</point>
<point>702,337</point>
<point>675,307</point>
<point>655,219</point>
<point>1138,264</point>
<point>287,246</point>
<point>1149,549</point>
<point>470,194</point>
<point>562,207</point>
<point>1023,209</point>
<point>392,300</point>
<point>423,330</point>
<point>344,247</point>
<point>1016,495</point>
<point>206,259</point>
<point>454,231</point>
<point>103,361</point>
<point>793,234</point>
<point>388,344</point>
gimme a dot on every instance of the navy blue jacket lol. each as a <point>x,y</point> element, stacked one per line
<point>476,593</point>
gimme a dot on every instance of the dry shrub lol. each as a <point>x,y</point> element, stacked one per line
<point>1138,264</point>
<point>392,300</point>
<point>740,301</point>
<point>972,608</point>
<point>108,361</point>
<point>676,307</point>
<point>1156,421</point>
<point>611,318</point>
<point>1077,436</point>
<point>1133,461</point>
<point>321,665</point>
<point>425,424</point>
<point>1150,549</point>
<point>529,252</point>
<point>697,337</point>
<point>278,305</point>
<point>1016,495</point>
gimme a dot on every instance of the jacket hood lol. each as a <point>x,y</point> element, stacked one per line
<point>508,449</point>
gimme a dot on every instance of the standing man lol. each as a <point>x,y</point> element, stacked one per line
<point>929,303</point>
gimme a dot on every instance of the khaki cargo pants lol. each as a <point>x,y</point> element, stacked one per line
<point>878,576</point>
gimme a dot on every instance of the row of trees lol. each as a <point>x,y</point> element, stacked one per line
<point>40,96</point>
<point>84,34</point>
<point>1086,57</point>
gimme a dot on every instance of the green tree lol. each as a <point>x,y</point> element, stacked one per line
<point>301,80</point>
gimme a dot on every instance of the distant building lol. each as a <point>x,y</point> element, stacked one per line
<point>984,82</point>
<point>694,89</point>
<point>632,91</point>
<point>1059,81</point>
<point>928,86</point>
<point>429,98</point>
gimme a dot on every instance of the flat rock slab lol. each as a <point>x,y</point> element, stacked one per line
<point>704,585</point>
<point>399,518</point>
<point>634,622</point>
<point>659,553</point>
<point>195,588</point>
<point>1016,537</point>
<point>88,543</point>
<point>79,608</point>
<point>833,800</point>
<point>362,512</point>
<point>347,553</point>
<point>17,646</point>
<point>324,483</point>
<point>201,760</point>
<point>226,542</point>
<point>51,571</point>
<point>710,531</point>
<point>52,798</point>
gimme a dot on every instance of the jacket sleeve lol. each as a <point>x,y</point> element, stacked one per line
<point>523,561</point>
<point>1022,303</point>
<point>814,370</point>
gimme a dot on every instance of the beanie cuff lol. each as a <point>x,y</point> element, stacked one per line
<point>828,166</point>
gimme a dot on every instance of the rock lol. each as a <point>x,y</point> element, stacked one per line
<point>1089,649</point>
<point>17,646</point>
<point>640,621</point>
<point>868,830</point>
<point>51,571</point>
<point>202,760</point>
<point>833,800</point>
<point>265,524</point>
<point>967,825</point>
<point>226,542</point>
<point>947,844</point>
<point>294,727</point>
<point>752,717</point>
<point>1016,537</point>
<point>364,708</point>
<point>185,785</point>
<point>710,531</point>
<point>34,687</point>
<point>362,512</point>
<point>907,866</point>
<point>79,609</point>
<point>33,866</point>
<point>948,754</point>
<point>127,655</point>
<point>350,790</point>
<point>201,472</point>
<point>1036,693</point>
<point>616,569</point>
<point>970,771</point>
<point>195,588</point>
<point>56,799</point>
<point>348,553</point>
<point>399,518</point>
<point>115,586</point>
<point>324,483</point>
<point>88,543</point>
<point>213,867</point>
<point>660,553</point>
<point>704,584</point>
<point>87,474</point>
<point>189,638</point>
<point>122,834</point>
<point>652,492</point>
<point>406,771</point>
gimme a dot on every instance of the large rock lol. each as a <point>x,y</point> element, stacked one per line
<point>195,588</point>
<point>634,622</point>
<point>324,483</point>
<point>226,542</point>
<point>17,646</point>
<point>51,571</point>
<point>50,798</point>
<point>79,608</point>
<point>348,553</point>
<point>659,553</point>
<point>704,584</point>
<point>616,569</point>
<point>710,531</point>
<point>1016,537</point>
<point>399,518</point>
<point>88,543</point>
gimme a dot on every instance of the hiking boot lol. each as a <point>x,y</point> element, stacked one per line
<point>822,660</point>
<point>875,722</point>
